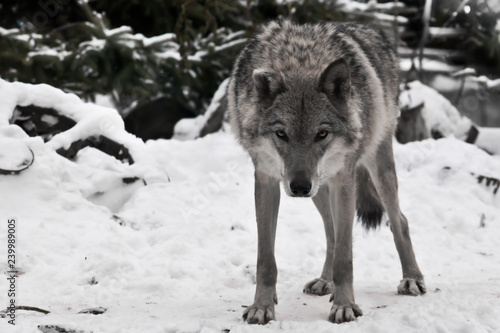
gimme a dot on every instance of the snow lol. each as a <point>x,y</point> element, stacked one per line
<point>169,54</point>
<point>233,35</point>
<point>126,34</point>
<point>390,18</point>
<point>446,83</point>
<point>490,84</point>
<point>104,100</point>
<point>50,53</point>
<point>15,33</point>
<point>123,30</point>
<point>94,44</point>
<point>230,44</point>
<point>465,72</point>
<point>180,256</point>
<point>167,37</point>
<point>429,65</point>
<point>349,6</point>
<point>6,32</point>
<point>489,139</point>
<point>14,155</point>
<point>166,44</point>
<point>92,120</point>
<point>189,128</point>
<point>371,5</point>
<point>438,112</point>
<point>439,32</point>
<point>198,56</point>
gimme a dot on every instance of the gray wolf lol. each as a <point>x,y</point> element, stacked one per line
<point>315,107</point>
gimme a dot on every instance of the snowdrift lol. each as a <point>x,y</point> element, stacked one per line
<point>443,118</point>
<point>179,256</point>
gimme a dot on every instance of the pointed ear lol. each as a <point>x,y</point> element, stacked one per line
<point>335,81</point>
<point>267,86</point>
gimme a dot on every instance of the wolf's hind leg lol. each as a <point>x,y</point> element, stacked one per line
<point>267,200</point>
<point>324,284</point>
<point>383,174</point>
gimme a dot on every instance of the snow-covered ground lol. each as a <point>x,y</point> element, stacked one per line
<point>180,256</point>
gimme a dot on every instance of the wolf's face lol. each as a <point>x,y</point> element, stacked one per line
<point>305,126</point>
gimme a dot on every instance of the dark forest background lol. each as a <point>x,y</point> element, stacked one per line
<point>160,61</point>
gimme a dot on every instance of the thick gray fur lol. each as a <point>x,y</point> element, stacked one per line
<point>315,107</point>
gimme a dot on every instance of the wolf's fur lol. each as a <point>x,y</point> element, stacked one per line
<point>291,85</point>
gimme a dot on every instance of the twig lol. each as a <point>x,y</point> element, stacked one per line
<point>24,167</point>
<point>455,13</point>
<point>425,35</point>
<point>25,308</point>
<point>32,308</point>
<point>460,91</point>
<point>396,28</point>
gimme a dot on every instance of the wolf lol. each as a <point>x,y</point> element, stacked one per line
<point>315,106</point>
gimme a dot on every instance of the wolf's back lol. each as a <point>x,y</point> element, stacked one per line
<point>304,51</point>
<point>281,46</point>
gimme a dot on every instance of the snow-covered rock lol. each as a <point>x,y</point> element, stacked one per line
<point>439,114</point>
<point>92,121</point>
<point>443,119</point>
<point>190,128</point>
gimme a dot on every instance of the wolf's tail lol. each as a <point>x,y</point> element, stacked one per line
<point>368,206</point>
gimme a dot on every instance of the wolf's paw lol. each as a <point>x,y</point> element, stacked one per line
<point>344,313</point>
<point>411,286</point>
<point>255,314</point>
<point>318,287</point>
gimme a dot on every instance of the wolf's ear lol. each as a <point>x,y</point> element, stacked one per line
<point>335,81</point>
<point>267,86</point>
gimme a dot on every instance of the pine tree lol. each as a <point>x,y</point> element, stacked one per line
<point>83,53</point>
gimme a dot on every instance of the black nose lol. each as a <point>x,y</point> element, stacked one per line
<point>300,187</point>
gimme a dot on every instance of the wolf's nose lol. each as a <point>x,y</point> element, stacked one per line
<point>300,188</point>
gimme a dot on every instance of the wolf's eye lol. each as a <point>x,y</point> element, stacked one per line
<point>321,135</point>
<point>282,135</point>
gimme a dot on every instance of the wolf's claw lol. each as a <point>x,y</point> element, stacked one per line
<point>259,315</point>
<point>412,287</point>
<point>318,287</point>
<point>344,313</point>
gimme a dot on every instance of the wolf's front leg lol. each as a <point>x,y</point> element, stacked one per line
<point>267,200</point>
<point>324,284</point>
<point>344,308</point>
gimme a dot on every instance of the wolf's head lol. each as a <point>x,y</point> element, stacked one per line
<point>305,125</point>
